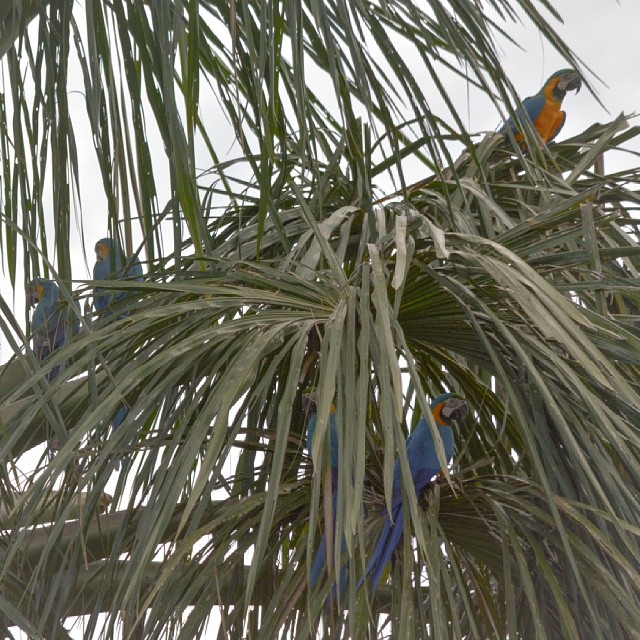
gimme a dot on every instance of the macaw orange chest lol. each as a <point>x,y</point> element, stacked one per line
<point>549,120</point>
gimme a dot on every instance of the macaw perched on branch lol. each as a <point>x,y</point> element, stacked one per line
<point>47,324</point>
<point>423,465</point>
<point>543,110</point>
<point>309,404</point>
<point>112,264</point>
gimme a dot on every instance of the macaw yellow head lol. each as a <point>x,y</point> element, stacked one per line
<point>448,407</point>
<point>102,250</point>
<point>560,82</point>
<point>34,292</point>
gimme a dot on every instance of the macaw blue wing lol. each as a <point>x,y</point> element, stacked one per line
<point>311,431</point>
<point>318,561</point>
<point>422,455</point>
<point>101,270</point>
<point>321,553</point>
<point>119,417</point>
<point>134,269</point>
<point>531,109</point>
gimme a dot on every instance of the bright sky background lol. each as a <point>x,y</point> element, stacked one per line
<point>603,33</point>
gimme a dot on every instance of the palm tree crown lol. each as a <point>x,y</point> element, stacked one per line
<point>293,255</point>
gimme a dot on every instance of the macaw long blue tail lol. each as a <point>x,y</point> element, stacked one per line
<point>318,562</point>
<point>321,553</point>
<point>318,565</point>
<point>388,540</point>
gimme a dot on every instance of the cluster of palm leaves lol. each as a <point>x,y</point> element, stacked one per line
<point>308,262</point>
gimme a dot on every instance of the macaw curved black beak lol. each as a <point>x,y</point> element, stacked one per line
<point>570,81</point>
<point>454,409</point>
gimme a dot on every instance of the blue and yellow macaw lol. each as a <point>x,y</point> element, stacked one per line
<point>112,264</point>
<point>543,110</point>
<point>423,465</point>
<point>47,324</point>
<point>309,404</point>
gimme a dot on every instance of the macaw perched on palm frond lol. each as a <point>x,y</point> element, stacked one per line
<point>309,403</point>
<point>423,465</point>
<point>112,264</point>
<point>543,110</point>
<point>47,324</point>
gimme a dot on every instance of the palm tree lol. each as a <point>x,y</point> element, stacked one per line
<point>302,259</point>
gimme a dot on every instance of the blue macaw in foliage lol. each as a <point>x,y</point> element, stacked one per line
<point>309,403</point>
<point>112,264</point>
<point>543,110</point>
<point>47,324</point>
<point>423,465</point>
